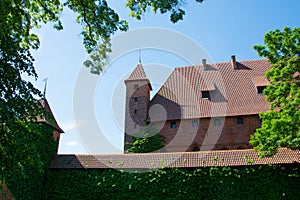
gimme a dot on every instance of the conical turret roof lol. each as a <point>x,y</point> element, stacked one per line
<point>137,74</point>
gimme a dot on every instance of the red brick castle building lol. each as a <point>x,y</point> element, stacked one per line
<point>205,107</point>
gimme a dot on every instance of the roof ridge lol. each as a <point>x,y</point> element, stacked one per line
<point>174,153</point>
<point>52,122</point>
<point>219,63</point>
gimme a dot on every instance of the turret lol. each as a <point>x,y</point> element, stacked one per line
<point>50,120</point>
<point>138,90</point>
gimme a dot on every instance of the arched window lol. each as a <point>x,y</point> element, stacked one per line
<point>196,148</point>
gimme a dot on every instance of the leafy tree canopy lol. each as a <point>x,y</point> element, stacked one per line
<point>138,7</point>
<point>280,125</point>
<point>18,104</point>
<point>98,57</point>
<point>17,96</point>
<point>146,141</point>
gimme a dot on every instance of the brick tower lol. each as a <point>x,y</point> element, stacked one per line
<point>138,90</point>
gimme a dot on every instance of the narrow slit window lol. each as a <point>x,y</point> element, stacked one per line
<point>136,86</point>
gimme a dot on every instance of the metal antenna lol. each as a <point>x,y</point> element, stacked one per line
<point>140,60</point>
<point>45,87</point>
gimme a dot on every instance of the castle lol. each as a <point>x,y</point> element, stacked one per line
<point>205,107</point>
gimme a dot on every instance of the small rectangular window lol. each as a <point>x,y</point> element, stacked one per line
<point>217,122</point>
<point>239,120</point>
<point>205,94</point>
<point>195,123</point>
<point>135,99</point>
<point>135,111</point>
<point>136,86</point>
<point>260,89</point>
<point>173,125</point>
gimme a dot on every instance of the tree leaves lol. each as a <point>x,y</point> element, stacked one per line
<point>98,58</point>
<point>146,141</point>
<point>18,104</point>
<point>280,125</point>
<point>138,7</point>
<point>99,21</point>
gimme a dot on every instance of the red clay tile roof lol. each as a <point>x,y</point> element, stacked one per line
<point>260,81</point>
<point>137,74</point>
<point>174,159</point>
<point>49,119</point>
<point>232,91</point>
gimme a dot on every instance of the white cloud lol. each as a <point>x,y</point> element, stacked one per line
<point>70,125</point>
<point>72,143</point>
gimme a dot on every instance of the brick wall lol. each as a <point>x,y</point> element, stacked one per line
<point>137,103</point>
<point>225,134</point>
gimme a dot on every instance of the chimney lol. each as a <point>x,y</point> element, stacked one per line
<point>204,64</point>
<point>233,62</point>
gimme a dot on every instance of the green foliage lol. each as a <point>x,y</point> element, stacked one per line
<point>280,125</point>
<point>138,7</point>
<point>146,141</point>
<point>18,104</point>
<point>98,58</point>
<point>100,22</point>
<point>26,180</point>
<point>253,182</point>
<point>98,19</point>
<point>18,107</point>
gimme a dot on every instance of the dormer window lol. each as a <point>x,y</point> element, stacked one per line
<point>260,83</point>
<point>205,94</point>
<point>260,89</point>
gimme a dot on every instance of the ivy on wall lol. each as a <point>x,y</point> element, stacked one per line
<point>254,182</point>
<point>28,183</point>
<point>247,182</point>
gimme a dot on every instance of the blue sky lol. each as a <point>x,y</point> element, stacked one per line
<point>222,28</point>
